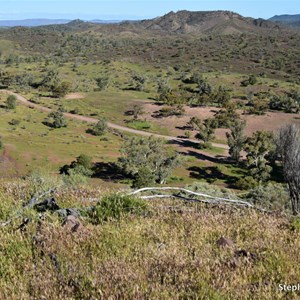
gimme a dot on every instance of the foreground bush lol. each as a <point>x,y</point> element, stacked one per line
<point>115,206</point>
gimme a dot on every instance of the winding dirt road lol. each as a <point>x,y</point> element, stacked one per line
<point>109,124</point>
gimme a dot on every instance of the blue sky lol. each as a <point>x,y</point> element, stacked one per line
<point>137,9</point>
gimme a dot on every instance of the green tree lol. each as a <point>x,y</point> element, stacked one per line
<point>143,178</point>
<point>102,82</point>
<point>139,82</point>
<point>62,89</point>
<point>136,111</point>
<point>150,153</point>
<point>11,102</point>
<point>163,89</point>
<point>82,166</point>
<point>206,131</point>
<point>56,119</point>
<point>99,128</point>
<point>258,147</point>
<point>222,96</point>
<point>251,80</point>
<point>226,115</point>
<point>51,80</point>
<point>236,138</point>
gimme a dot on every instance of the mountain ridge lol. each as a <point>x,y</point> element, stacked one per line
<point>290,20</point>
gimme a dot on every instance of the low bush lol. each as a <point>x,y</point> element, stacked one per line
<point>114,207</point>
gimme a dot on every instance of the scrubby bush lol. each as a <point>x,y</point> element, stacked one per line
<point>114,207</point>
<point>11,102</point>
<point>143,178</point>
<point>56,119</point>
<point>271,196</point>
<point>99,128</point>
<point>82,166</point>
<point>213,190</point>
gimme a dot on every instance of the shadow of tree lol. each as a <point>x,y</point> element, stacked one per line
<point>211,174</point>
<point>108,172</point>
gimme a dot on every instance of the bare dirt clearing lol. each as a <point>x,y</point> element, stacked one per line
<point>74,96</point>
<point>271,121</point>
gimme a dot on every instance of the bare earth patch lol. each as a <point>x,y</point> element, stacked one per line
<point>271,121</point>
<point>74,96</point>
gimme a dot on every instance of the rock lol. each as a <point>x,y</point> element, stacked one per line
<point>71,223</point>
<point>225,242</point>
<point>47,204</point>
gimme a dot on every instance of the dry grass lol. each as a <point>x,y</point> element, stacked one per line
<point>164,254</point>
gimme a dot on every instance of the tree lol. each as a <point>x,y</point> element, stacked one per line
<point>236,138</point>
<point>61,89</point>
<point>82,165</point>
<point>11,102</point>
<point>139,82</point>
<point>102,82</point>
<point>206,131</point>
<point>99,128</point>
<point>194,123</point>
<point>226,115</point>
<point>288,147</point>
<point>51,80</point>
<point>222,96</point>
<point>252,79</point>
<point>57,119</point>
<point>136,111</point>
<point>149,153</point>
<point>163,89</point>
<point>143,178</point>
<point>258,147</point>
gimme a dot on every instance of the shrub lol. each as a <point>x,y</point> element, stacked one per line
<point>82,166</point>
<point>206,188</point>
<point>11,102</point>
<point>99,128</point>
<point>246,183</point>
<point>14,122</point>
<point>143,178</point>
<point>271,196</point>
<point>56,119</point>
<point>114,207</point>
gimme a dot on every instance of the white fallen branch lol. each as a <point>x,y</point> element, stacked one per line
<point>207,198</point>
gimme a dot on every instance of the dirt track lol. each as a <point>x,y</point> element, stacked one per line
<point>111,125</point>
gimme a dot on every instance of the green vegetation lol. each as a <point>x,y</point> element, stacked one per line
<point>99,128</point>
<point>135,245</point>
<point>116,207</point>
<point>11,102</point>
<point>56,119</point>
<point>139,153</point>
<point>84,239</point>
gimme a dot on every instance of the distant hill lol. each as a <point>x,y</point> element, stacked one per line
<point>45,22</point>
<point>221,22</point>
<point>291,20</point>
<point>173,23</point>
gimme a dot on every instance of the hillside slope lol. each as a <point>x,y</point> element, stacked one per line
<point>220,22</point>
<point>170,251</point>
<point>290,20</point>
